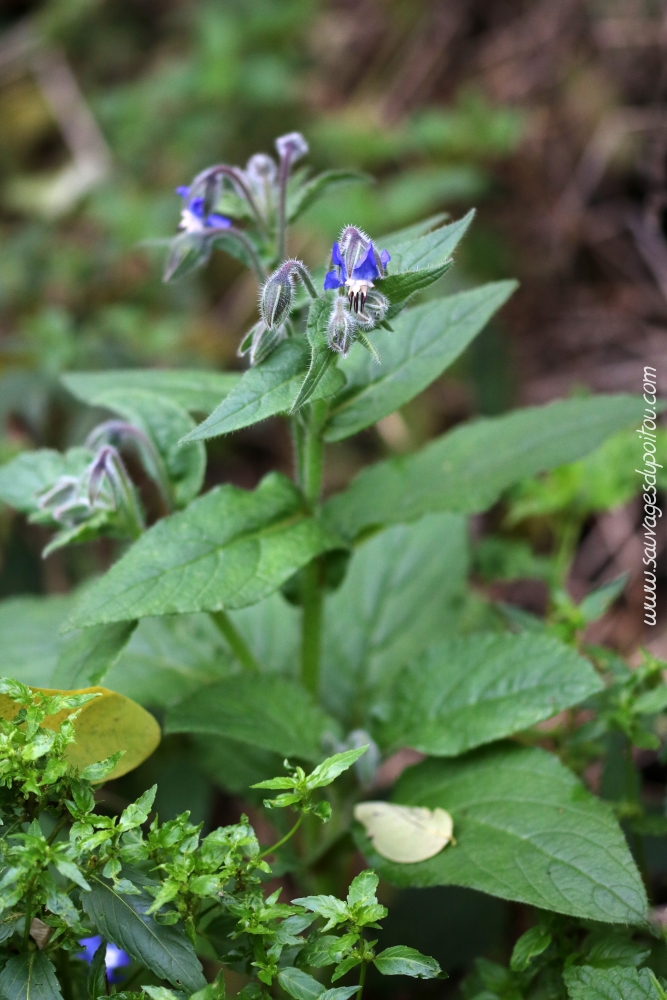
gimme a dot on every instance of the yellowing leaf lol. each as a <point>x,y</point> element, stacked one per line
<point>405,833</point>
<point>105,725</point>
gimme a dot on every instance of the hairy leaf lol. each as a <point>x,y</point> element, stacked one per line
<point>429,249</point>
<point>400,287</point>
<point>230,548</point>
<point>165,950</point>
<point>196,391</point>
<point>30,976</point>
<point>586,983</point>
<point>425,341</point>
<point>271,713</point>
<point>469,468</point>
<point>465,692</point>
<point>321,355</point>
<point>270,388</point>
<point>526,829</point>
<point>91,653</point>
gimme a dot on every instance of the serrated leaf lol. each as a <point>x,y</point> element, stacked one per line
<point>531,944</point>
<point>164,949</point>
<point>586,983</point>
<point>362,888</point>
<point>22,479</point>
<point>464,692</point>
<point>468,469</point>
<point>424,342</point>
<point>403,961</point>
<point>230,548</point>
<point>299,984</point>
<point>166,424</point>
<point>431,248</point>
<point>397,598</point>
<point>265,390</point>
<point>307,194</point>
<point>329,769</point>
<point>321,356</point>
<point>31,976</point>
<point>105,725</point>
<point>196,391</point>
<point>272,713</point>
<point>91,653</point>
<point>526,829</point>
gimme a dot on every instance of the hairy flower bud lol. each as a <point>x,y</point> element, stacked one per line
<point>375,309</point>
<point>277,296</point>
<point>261,341</point>
<point>291,146</point>
<point>341,327</point>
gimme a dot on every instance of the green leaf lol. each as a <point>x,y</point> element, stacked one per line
<point>30,976</point>
<point>403,961</point>
<point>164,949</point>
<point>162,993</point>
<point>400,287</point>
<point>362,889</point>
<point>299,984</point>
<point>407,233</point>
<point>165,423</point>
<point>305,195</point>
<point>465,692</point>
<point>425,341</point>
<point>22,479</point>
<point>187,253</point>
<point>403,591</point>
<point>230,548</point>
<point>270,388</point>
<point>339,993</point>
<point>196,391</point>
<point>88,656</point>
<point>586,983</point>
<point>468,469</point>
<point>329,769</point>
<point>269,712</point>
<point>531,944</point>
<point>321,355</point>
<point>31,641</point>
<point>596,603</point>
<point>651,702</point>
<point>429,249</point>
<point>526,829</point>
<point>97,973</point>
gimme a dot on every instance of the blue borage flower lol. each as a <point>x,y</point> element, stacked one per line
<point>115,958</point>
<point>192,215</point>
<point>357,264</point>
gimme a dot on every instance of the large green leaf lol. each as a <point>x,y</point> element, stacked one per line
<point>468,469</point>
<point>164,949</point>
<point>587,983</point>
<point>234,765</point>
<point>22,479</point>
<point>407,233</point>
<point>271,713</point>
<point>425,341</point>
<point>165,423</point>
<point>196,391</point>
<point>306,194</point>
<point>230,548</point>
<point>31,640</point>
<point>270,388</point>
<point>526,829</point>
<point>272,630</point>
<point>30,976</point>
<point>426,250</point>
<point>464,692</point>
<point>403,590</point>
<point>90,653</point>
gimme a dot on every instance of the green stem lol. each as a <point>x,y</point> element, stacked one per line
<point>311,626</point>
<point>28,916</point>
<point>362,979</point>
<point>283,840</point>
<point>65,975</point>
<point>236,641</point>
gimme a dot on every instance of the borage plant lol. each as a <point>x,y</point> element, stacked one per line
<point>273,623</point>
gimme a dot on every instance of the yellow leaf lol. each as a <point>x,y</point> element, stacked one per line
<point>105,725</point>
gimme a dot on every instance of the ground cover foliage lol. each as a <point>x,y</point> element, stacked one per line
<point>270,624</point>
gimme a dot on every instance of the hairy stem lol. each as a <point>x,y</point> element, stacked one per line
<point>249,247</point>
<point>236,641</point>
<point>283,840</point>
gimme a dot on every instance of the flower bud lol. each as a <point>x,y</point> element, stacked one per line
<point>277,296</point>
<point>261,169</point>
<point>375,309</point>
<point>340,330</point>
<point>354,244</point>
<point>291,147</point>
<point>261,341</point>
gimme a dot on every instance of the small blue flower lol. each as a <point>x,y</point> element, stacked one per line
<point>115,957</point>
<point>192,215</point>
<point>356,265</point>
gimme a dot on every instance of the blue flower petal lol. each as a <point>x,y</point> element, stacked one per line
<point>116,958</point>
<point>332,281</point>
<point>385,257</point>
<point>196,206</point>
<point>218,221</point>
<point>90,946</point>
<point>336,256</point>
<point>183,191</point>
<point>367,269</point>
